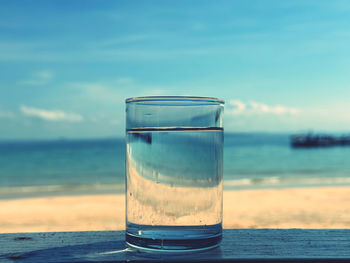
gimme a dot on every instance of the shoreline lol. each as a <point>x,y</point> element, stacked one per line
<point>307,207</point>
<point>37,191</point>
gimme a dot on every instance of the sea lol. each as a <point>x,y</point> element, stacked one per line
<point>31,168</point>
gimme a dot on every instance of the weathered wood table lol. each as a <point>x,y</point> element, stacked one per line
<point>265,245</point>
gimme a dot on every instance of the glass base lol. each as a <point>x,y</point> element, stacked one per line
<point>173,238</point>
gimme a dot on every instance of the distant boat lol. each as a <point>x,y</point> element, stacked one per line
<point>314,140</point>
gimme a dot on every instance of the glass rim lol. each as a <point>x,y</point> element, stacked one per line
<point>175,100</point>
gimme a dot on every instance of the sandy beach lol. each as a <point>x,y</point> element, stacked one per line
<point>321,207</point>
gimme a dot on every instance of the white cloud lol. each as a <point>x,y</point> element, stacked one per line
<point>39,78</point>
<point>258,108</point>
<point>237,107</point>
<point>50,115</point>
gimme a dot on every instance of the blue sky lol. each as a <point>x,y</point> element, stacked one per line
<point>67,66</point>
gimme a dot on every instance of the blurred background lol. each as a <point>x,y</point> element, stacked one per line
<point>66,68</point>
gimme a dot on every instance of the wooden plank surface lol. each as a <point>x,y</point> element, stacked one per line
<point>265,245</point>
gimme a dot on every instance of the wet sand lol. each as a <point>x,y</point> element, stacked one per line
<point>318,207</point>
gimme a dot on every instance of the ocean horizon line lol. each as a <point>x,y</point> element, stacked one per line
<point>119,137</point>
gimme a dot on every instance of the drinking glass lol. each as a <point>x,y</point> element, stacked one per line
<point>174,148</point>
